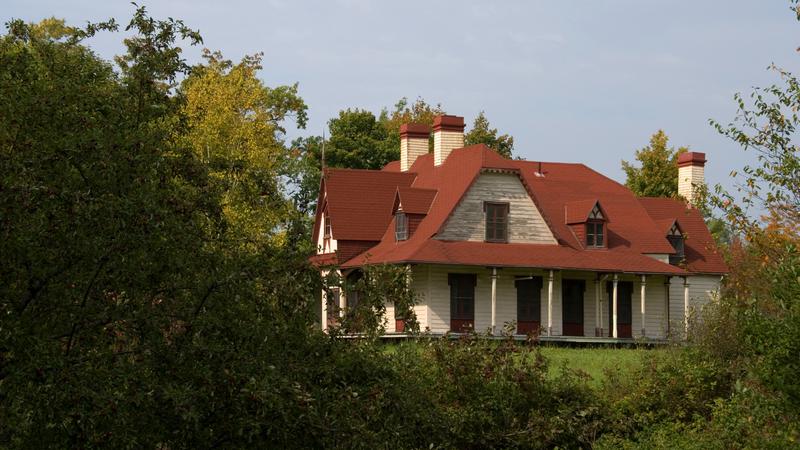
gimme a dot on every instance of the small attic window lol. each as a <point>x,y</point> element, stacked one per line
<point>595,228</point>
<point>596,214</point>
<point>676,238</point>
<point>400,226</point>
<point>327,221</point>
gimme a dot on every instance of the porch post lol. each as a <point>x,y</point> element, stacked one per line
<point>494,298</point>
<point>614,306</point>
<point>324,316</point>
<point>550,305</point>
<point>667,283</point>
<point>686,304</point>
<point>597,314</point>
<point>644,287</point>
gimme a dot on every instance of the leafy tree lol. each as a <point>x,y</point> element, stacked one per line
<point>482,133</point>
<point>235,127</point>
<point>657,175</point>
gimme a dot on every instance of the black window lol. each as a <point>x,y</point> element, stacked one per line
<point>496,222</point>
<point>594,233</point>
<point>675,238</point>
<point>400,226</point>
<point>462,295</point>
<point>352,295</point>
<point>529,291</point>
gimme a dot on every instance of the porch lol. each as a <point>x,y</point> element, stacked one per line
<point>561,305</point>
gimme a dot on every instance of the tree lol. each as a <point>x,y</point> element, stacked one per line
<point>482,133</point>
<point>234,125</point>
<point>657,175</point>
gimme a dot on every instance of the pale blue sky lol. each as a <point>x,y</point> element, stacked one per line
<point>571,81</point>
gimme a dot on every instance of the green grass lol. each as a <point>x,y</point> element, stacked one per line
<point>593,361</point>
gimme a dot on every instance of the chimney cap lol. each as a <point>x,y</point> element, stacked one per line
<point>448,123</point>
<point>414,130</point>
<point>692,159</point>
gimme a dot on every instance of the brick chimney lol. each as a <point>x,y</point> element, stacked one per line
<point>413,143</point>
<point>691,175</point>
<point>448,134</point>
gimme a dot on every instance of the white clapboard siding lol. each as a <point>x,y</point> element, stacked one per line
<point>467,222</point>
<point>702,290</point>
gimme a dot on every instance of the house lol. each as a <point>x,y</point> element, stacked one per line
<point>551,247</point>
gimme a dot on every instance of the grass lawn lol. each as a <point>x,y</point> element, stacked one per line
<point>593,361</point>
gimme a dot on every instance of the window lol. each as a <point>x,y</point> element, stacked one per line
<point>400,226</point>
<point>462,301</point>
<point>327,225</point>
<point>529,291</point>
<point>594,228</point>
<point>496,222</point>
<point>675,238</point>
<point>594,233</point>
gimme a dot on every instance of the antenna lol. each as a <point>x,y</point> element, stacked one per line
<point>323,149</point>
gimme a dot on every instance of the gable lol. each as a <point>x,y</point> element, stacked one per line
<point>525,222</point>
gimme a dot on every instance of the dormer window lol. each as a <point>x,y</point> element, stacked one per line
<point>675,237</point>
<point>400,226</point>
<point>595,232</point>
<point>496,221</point>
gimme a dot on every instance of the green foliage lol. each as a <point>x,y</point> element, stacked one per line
<point>482,133</point>
<point>657,175</point>
<point>234,126</point>
<point>375,286</point>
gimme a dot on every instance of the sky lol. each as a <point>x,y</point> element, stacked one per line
<point>572,81</point>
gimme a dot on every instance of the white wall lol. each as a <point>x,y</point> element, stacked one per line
<point>525,222</point>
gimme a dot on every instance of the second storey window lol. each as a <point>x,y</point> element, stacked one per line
<point>327,221</point>
<point>594,228</point>
<point>400,226</point>
<point>496,222</point>
<point>594,234</point>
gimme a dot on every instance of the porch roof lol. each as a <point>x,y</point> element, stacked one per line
<point>559,257</point>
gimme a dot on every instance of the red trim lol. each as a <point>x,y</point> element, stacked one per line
<point>462,325</point>
<point>448,123</point>
<point>414,131</point>
<point>528,327</point>
<point>692,159</point>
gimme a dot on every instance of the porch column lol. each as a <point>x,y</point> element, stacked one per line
<point>614,308</point>
<point>642,294</point>
<point>598,315</point>
<point>342,302</point>
<point>494,298</point>
<point>686,304</point>
<point>324,316</point>
<point>667,283</point>
<point>550,305</point>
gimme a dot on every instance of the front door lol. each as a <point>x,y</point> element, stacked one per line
<point>529,291</point>
<point>462,301</point>
<point>624,308</point>
<point>572,300</point>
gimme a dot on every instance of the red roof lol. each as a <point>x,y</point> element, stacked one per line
<point>700,250</point>
<point>578,211</point>
<point>631,230</point>
<point>359,202</point>
<point>415,200</point>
